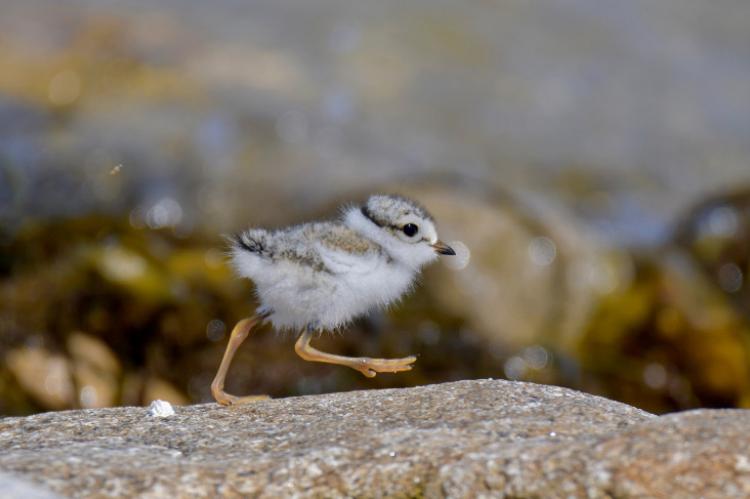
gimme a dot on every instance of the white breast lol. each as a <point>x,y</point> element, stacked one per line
<point>363,282</point>
<point>353,285</point>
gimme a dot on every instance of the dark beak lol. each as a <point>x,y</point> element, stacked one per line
<point>442,248</point>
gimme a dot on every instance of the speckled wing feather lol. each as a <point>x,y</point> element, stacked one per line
<point>303,244</point>
<point>339,237</point>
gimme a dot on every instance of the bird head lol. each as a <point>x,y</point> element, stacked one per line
<point>401,226</point>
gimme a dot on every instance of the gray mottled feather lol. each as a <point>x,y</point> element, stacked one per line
<point>298,243</point>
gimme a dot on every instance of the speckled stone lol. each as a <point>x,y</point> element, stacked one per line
<point>460,439</point>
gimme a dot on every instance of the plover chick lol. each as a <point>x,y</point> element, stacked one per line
<point>321,275</point>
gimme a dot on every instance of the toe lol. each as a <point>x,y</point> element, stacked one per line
<point>250,399</point>
<point>225,400</point>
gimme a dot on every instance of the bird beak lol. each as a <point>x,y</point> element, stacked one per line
<point>442,248</point>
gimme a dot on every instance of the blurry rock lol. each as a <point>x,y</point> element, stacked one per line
<point>96,371</point>
<point>716,233</point>
<point>465,439</point>
<point>535,273</point>
<point>132,389</point>
<point>93,351</point>
<point>143,298</point>
<point>669,341</point>
<point>712,339</point>
<point>127,268</point>
<point>677,337</point>
<point>142,389</point>
<point>95,389</point>
<point>46,376</point>
<point>159,389</point>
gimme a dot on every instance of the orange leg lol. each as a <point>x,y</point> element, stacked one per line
<point>239,333</point>
<point>367,366</point>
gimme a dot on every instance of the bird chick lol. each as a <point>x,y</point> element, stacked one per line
<point>321,275</point>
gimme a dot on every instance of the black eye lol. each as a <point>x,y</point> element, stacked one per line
<point>410,229</point>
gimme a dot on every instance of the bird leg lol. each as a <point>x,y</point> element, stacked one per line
<point>239,333</point>
<point>367,366</point>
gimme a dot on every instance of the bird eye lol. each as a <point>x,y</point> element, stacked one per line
<point>410,230</point>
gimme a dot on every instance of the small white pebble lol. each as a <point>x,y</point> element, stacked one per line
<point>461,259</point>
<point>160,409</point>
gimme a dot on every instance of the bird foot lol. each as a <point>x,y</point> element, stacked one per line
<point>225,398</point>
<point>370,367</point>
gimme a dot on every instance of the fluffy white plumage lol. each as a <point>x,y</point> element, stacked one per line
<point>323,274</point>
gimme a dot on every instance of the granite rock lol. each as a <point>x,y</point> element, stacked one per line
<point>462,439</point>
<point>13,486</point>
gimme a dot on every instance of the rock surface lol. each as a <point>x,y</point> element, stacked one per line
<point>461,439</point>
<point>13,486</point>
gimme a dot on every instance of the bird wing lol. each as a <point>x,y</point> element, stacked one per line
<point>323,246</point>
<point>342,250</point>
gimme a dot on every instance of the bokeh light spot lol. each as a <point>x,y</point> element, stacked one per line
<point>722,222</point>
<point>655,376</point>
<point>64,88</point>
<point>215,330</point>
<point>536,356</point>
<point>515,368</point>
<point>165,213</point>
<point>730,277</point>
<point>88,397</point>
<point>542,251</point>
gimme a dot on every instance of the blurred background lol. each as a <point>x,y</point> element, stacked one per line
<point>593,154</point>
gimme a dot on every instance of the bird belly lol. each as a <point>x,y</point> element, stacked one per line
<point>327,300</point>
<point>355,295</point>
<point>294,293</point>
